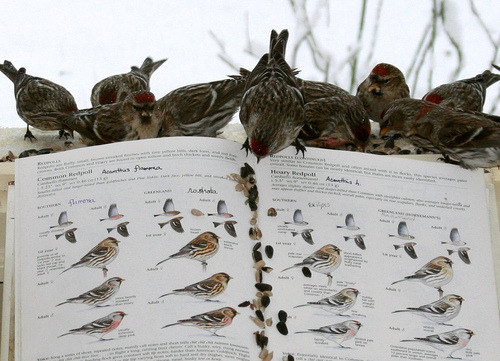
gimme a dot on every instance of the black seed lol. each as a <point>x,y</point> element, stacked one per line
<point>404,151</point>
<point>258,338</point>
<point>252,204</point>
<point>257,256</point>
<point>282,316</point>
<point>306,272</point>
<point>266,269</point>
<point>263,287</point>
<point>376,145</point>
<point>257,246</point>
<point>265,300</point>
<point>269,251</point>
<point>253,193</point>
<point>281,326</point>
<point>290,358</point>
<point>389,143</point>
<point>45,151</point>
<point>378,152</point>
<point>244,304</point>
<point>259,315</point>
<point>265,341</point>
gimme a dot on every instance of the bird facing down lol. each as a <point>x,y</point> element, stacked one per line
<point>211,321</point>
<point>440,311</point>
<point>36,96</point>
<point>272,108</point>
<point>203,247</point>
<point>206,289</point>
<point>131,119</point>
<point>338,332</point>
<point>99,327</point>
<point>98,295</point>
<point>449,342</point>
<point>467,139</point>
<point>466,94</point>
<point>338,303</point>
<point>116,88</point>
<point>384,84</point>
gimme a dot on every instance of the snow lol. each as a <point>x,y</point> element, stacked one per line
<point>77,43</point>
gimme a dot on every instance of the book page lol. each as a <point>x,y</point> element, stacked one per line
<point>375,256</point>
<point>134,251</point>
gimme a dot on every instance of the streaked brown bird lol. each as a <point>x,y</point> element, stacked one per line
<point>440,311</point>
<point>98,295</point>
<point>35,97</point>
<point>206,289</point>
<point>449,342</point>
<point>338,332</point>
<point>338,303</point>
<point>116,88</point>
<point>99,327</point>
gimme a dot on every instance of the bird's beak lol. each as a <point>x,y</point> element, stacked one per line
<point>374,88</point>
<point>146,114</point>
<point>383,131</point>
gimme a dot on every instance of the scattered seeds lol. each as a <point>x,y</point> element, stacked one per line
<point>265,300</point>
<point>271,212</point>
<point>259,315</point>
<point>281,326</point>
<point>257,321</point>
<point>196,212</point>
<point>269,251</point>
<point>282,316</point>
<point>244,304</point>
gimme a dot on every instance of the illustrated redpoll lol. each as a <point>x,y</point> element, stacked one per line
<point>37,96</point>
<point>131,119</point>
<point>440,311</point>
<point>99,327</point>
<point>384,84</point>
<point>272,108</point>
<point>436,273</point>
<point>63,220</point>
<point>338,332</point>
<point>206,289</point>
<point>338,303</point>
<point>116,88</point>
<point>100,256</point>
<point>211,321</point>
<point>449,342</point>
<point>466,94</point>
<point>113,213</point>
<point>98,295</point>
<point>325,260</point>
<point>203,247</point>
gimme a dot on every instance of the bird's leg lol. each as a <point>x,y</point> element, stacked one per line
<point>65,134</point>
<point>440,290</point>
<point>246,146</point>
<point>300,146</point>
<point>29,135</point>
<point>105,272</point>
<point>204,264</point>
<point>448,160</point>
<point>330,278</point>
<point>215,334</point>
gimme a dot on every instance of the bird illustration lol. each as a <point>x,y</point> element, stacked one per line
<point>298,220</point>
<point>436,273</point>
<point>338,332</point>
<point>221,210</point>
<point>228,226</point>
<point>206,289</point>
<point>325,260</point>
<point>338,304</point>
<point>462,252</point>
<point>175,223</point>
<point>99,327</point>
<point>99,295</point>
<point>455,239</point>
<point>449,342</point>
<point>409,248</point>
<point>271,92</point>
<point>349,223</point>
<point>121,228</point>
<point>306,235</point>
<point>403,232</point>
<point>116,88</point>
<point>168,209</point>
<point>69,235</point>
<point>37,96</point>
<point>113,213</point>
<point>211,321</point>
<point>99,257</point>
<point>358,240</point>
<point>62,221</point>
<point>201,248</point>
<point>440,311</point>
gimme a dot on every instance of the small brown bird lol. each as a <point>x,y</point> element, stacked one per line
<point>440,311</point>
<point>338,332</point>
<point>451,341</point>
<point>99,327</point>
<point>211,321</point>
<point>98,295</point>
<point>314,90</point>
<point>116,88</point>
<point>338,304</point>
<point>37,96</point>
<point>384,84</point>
<point>206,289</point>
<point>133,118</point>
<point>203,247</point>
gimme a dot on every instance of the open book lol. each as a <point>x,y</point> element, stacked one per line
<point>153,249</point>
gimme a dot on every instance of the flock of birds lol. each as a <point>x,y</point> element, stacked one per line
<point>276,108</point>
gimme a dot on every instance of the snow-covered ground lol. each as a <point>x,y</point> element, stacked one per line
<point>77,43</point>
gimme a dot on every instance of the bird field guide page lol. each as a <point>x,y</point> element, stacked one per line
<point>188,249</point>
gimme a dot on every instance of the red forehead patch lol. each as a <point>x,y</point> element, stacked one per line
<point>144,97</point>
<point>382,69</point>
<point>434,98</point>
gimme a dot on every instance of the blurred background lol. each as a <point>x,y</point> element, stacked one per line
<point>78,43</point>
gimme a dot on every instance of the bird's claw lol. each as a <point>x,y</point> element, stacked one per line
<point>300,146</point>
<point>29,135</point>
<point>246,146</point>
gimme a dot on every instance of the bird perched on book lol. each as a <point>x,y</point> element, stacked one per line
<point>133,118</point>
<point>440,311</point>
<point>116,88</point>
<point>338,332</point>
<point>200,109</point>
<point>100,256</point>
<point>436,273</point>
<point>98,295</point>
<point>99,327</point>
<point>211,321</point>
<point>466,94</point>
<point>325,260</point>
<point>339,303</point>
<point>449,342</point>
<point>201,248</point>
<point>206,289</point>
<point>272,108</point>
<point>467,139</point>
<point>384,84</point>
<point>36,96</point>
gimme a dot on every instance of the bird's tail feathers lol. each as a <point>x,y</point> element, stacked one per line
<point>171,324</point>
<point>149,66</point>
